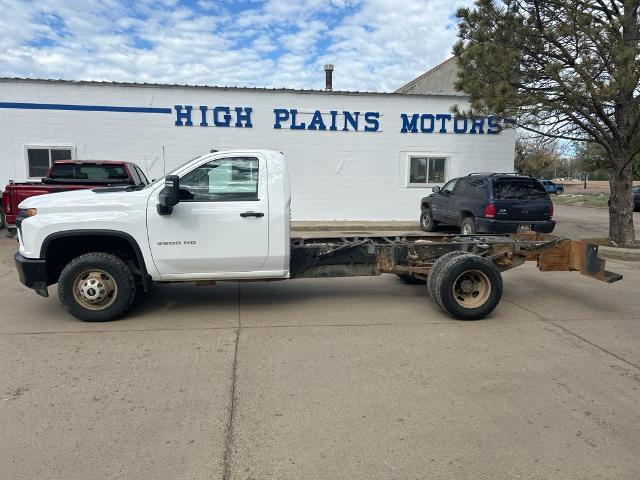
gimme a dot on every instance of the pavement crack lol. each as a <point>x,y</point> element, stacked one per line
<point>228,439</point>
<point>579,337</point>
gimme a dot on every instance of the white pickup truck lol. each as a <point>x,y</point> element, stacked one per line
<point>225,216</point>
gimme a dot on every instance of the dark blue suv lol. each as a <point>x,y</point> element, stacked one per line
<point>489,203</point>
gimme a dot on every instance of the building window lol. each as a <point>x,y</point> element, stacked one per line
<point>426,170</point>
<point>39,159</point>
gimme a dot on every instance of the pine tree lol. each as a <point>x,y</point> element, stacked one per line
<point>567,69</point>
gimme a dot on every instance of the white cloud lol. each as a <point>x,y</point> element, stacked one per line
<point>374,44</point>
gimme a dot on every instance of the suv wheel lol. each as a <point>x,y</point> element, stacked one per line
<point>2,219</point>
<point>468,226</point>
<point>427,223</point>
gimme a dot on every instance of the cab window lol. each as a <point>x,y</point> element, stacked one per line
<point>220,180</point>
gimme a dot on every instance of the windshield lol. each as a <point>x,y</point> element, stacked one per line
<point>517,189</point>
<point>102,173</point>
<point>172,172</point>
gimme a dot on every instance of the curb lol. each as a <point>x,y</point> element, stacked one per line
<point>628,254</point>
<point>350,226</point>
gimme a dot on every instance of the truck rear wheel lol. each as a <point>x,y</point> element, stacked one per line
<point>468,287</point>
<point>96,287</point>
<point>437,267</point>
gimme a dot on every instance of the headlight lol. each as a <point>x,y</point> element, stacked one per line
<point>29,212</point>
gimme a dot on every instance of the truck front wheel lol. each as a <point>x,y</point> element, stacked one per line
<point>96,287</point>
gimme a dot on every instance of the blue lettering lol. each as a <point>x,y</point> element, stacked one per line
<point>444,117</point>
<point>373,122</point>
<point>216,117</point>
<point>294,125</point>
<point>334,116</point>
<point>281,115</point>
<point>409,125</point>
<point>432,123</point>
<point>243,114</point>
<point>477,125</point>
<point>494,125</point>
<point>186,115</point>
<point>316,122</point>
<point>350,119</point>
<point>458,129</point>
<point>203,112</point>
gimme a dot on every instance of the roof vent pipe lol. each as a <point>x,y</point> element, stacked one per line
<point>328,72</point>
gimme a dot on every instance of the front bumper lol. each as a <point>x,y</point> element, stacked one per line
<point>489,225</point>
<point>32,273</point>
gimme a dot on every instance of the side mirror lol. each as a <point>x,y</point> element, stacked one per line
<point>435,189</point>
<point>168,197</point>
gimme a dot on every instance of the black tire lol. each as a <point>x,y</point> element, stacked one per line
<point>437,267</point>
<point>410,279</point>
<point>116,273</point>
<point>427,223</point>
<point>470,224</point>
<point>482,291</point>
<point>2,219</point>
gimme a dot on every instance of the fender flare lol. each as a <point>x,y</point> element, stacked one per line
<point>146,278</point>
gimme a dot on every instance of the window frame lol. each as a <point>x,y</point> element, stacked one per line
<point>48,147</point>
<point>428,156</point>
<point>222,200</point>
<point>141,174</point>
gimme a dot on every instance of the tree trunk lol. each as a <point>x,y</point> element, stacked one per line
<point>621,231</point>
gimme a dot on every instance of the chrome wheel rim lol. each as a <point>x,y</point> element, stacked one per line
<point>425,219</point>
<point>471,289</point>
<point>95,289</point>
<point>466,229</point>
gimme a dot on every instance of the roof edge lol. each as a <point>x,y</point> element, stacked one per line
<point>426,74</point>
<point>214,87</point>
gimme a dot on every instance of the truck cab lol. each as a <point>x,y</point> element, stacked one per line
<point>229,220</point>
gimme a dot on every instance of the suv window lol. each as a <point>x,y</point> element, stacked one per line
<point>449,187</point>
<point>516,189</point>
<point>223,179</point>
<point>475,188</point>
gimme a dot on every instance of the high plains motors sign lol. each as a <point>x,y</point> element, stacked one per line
<point>294,119</point>
<point>333,120</point>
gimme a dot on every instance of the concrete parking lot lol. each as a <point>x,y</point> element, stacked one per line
<point>337,379</point>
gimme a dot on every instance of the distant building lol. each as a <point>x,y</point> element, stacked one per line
<point>440,80</point>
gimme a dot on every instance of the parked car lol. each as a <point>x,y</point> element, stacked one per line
<point>636,198</point>
<point>552,187</point>
<point>65,175</point>
<point>489,203</point>
<point>2,217</point>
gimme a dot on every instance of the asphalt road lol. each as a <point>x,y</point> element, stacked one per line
<point>585,222</point>
<point>327,379</point>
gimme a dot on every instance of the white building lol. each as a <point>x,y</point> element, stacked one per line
<point>351,155</point>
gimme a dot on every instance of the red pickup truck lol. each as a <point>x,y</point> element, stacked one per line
<point>65,175</point>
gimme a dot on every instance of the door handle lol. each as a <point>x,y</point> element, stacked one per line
<point>252,214</point>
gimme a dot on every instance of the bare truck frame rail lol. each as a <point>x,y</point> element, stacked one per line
<point>462,272</point>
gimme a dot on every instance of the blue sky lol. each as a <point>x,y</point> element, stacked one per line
<point>375,45</point>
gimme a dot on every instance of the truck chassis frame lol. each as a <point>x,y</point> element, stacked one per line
<point>417,256</point>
